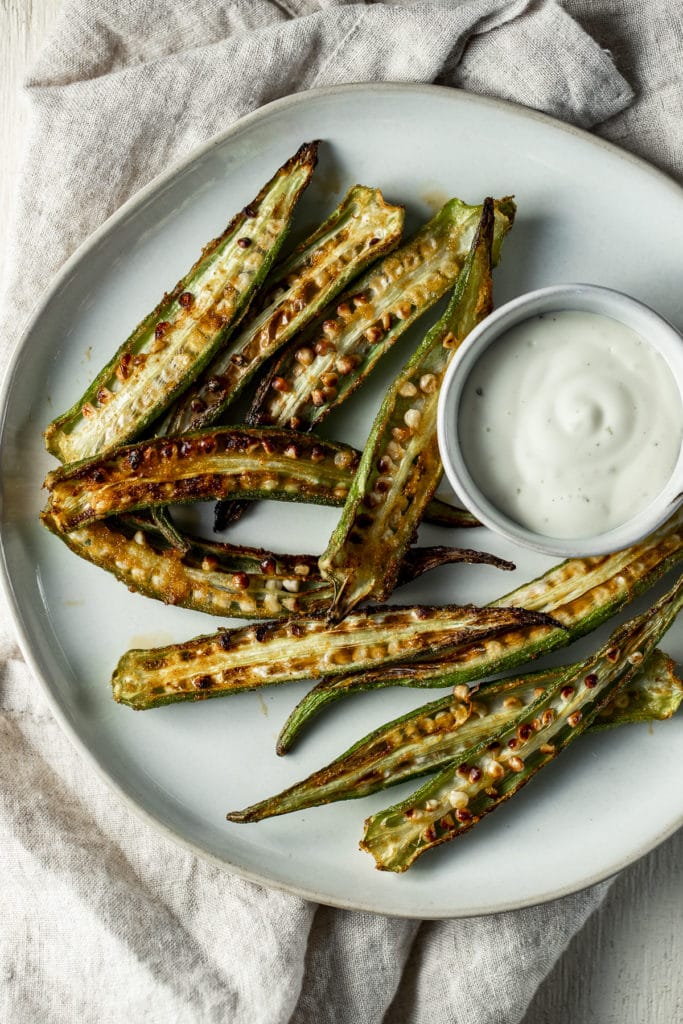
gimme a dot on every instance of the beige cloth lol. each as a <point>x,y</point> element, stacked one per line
<point>102,920</point>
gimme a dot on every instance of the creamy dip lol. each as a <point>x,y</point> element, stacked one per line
<point>570,423</point>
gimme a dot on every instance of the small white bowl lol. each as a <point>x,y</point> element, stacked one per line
<point>653,328</point>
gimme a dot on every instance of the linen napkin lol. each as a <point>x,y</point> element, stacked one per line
<point>102,919</point>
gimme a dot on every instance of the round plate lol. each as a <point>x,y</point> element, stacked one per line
<point>586,212</point>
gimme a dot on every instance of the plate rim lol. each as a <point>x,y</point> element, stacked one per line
<point>22,633</point>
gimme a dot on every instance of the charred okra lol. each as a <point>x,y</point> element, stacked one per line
<point>401,467</point>
<point>176,340</point>
<point>269,653</point>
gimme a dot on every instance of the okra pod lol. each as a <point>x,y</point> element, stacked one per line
<point>360,230</point>
<point>433,736</point>
<point>225,579</point>
<point>496,768</point>
<point>176,340</point>
<point>238,461</point>
<point>581,593</point>
<point>332,358</point>
<point>400,468</point>
<point>249,657</point>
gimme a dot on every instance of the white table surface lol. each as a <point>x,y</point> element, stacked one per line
<point>626,966</point>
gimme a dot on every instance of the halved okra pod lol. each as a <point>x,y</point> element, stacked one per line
<point>493,770</point>
<point>237,461</point>
<point>428,739</point>
<point>176,340</point>
<point>249,657</point>
<point>335,354</point>
<point>225,579</point>
<point>581,593</point>
<point>401,467</point>
<point>360,230</point>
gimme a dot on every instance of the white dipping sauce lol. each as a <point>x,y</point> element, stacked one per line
<point>570,423</point>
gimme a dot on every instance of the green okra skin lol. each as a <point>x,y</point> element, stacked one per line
<point>400,468</point>
<point>359,231</point>
<point>482,777</point>
<point>433,736</point>
<point>241,462</point>
<point>225,579</point>
<point>175,341</point>
<point>334,355</point>
<point>581,593</point>
<point>249,657</point>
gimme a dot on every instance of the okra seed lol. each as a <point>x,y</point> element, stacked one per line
<point>344,310</point>
<point>291,586</point>
<point>547,748</point>
<point>317,397</point>
<point>428,383</point>
<point>431,804</point>
<point>407,390</point>
<point>635,658</point>
<point>575,718</point>
<point>305,356</point>
<point>539,691</point>
<point>461,692</point>
<point>449,341</point>
<point>457,799</point>
<point>360,300</point>
<point>244,243</point>
<point>591,681</point>
<point>516,763</point>
<point>512,702</point>
<point>495,769</point>
<point>412,418</point>
<point>567,692</point>
<point>475,774</point>
<point>280,384</point>
<point>241,580</point>
<point>139,538</point>
<point>462,815</point>
<point>344,365</point>
<point>301,569</point>
<point>385,320</point>
<point>209,563</point>
<point>329,379</point>
<point>374,334</point>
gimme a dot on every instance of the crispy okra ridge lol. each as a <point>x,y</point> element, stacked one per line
<point>249,657</point>
<point>434,735</point>
<point>174,342</point>
<point>482,777</point>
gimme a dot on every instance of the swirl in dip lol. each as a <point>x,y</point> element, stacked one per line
<point>570,423</point>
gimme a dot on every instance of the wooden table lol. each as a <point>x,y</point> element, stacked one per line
<point>626,966</point>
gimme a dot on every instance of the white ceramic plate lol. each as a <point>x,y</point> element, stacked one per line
<point>586,212</point>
